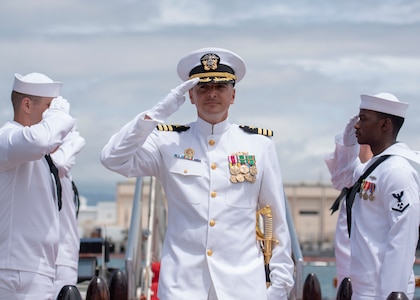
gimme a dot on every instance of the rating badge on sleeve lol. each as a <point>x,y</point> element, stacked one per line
<point>242,167</point>
<point>400,205</point>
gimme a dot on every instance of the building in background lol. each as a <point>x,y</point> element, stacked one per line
<point>309,205</point>
<point>314,224</point>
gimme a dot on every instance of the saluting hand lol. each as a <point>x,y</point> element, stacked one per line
<point>58,104</point>
<point>349,134</point>
<point>170,104</point>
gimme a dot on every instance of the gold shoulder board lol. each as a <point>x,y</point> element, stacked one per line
<point>266,132</point>
<point>167,127</point>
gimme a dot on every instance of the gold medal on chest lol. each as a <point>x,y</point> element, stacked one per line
<point>253,170</point>
<point>234,170</point>
<point>367,188</point>
<point>240,178</point>
<point>242,167</point>
<point>233,179</point>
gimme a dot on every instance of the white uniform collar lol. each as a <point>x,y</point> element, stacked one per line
<point>402,150</point>
<point>207,128</point>
<point>13,122</point>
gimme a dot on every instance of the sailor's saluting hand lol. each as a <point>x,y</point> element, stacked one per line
<point>58,104</point>
<point>170,104</point>
<point>349,134</point>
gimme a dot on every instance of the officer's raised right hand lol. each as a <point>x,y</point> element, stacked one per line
<point>170,104</point>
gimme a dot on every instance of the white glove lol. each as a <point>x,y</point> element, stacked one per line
<point>78,143</point>
<point>170,104</point>
<point>75,140</point>
<point>58,104</point>
<point>349,134</point>
<point>274,293</point>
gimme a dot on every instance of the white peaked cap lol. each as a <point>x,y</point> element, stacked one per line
<point>37,84</point>
<point>385,103</point>
<point>228,66</point>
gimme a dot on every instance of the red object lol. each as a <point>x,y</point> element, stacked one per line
<point>155,270</point>
<point>154,291</point>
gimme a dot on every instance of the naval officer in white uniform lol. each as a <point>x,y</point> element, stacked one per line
<point>215,175</point>
<point>377,252</point>
<point>29,198</point>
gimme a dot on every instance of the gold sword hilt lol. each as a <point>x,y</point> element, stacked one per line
<point>266,237</point>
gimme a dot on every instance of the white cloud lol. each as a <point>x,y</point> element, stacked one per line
<point>307,64</point>
<point>360,67</point>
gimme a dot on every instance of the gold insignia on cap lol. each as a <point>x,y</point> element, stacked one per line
<point>212,70</point>
<point>210,61</point>
<point>219,77</point>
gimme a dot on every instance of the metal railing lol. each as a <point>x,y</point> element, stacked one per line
<point>133,251</point>
<point>296,253</point>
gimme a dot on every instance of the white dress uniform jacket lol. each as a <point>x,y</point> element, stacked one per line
<point>28,204</point>
<point>384,230</point>
<point>211,236</point>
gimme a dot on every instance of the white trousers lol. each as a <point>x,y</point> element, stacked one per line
<point>20,285</point>
<point>64,275</point>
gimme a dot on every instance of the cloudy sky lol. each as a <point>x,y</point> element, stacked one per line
<point>307,63</point>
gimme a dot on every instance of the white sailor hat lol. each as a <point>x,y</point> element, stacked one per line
<point>212,65</point>
<point>37,84</point>
<point>385,103</point>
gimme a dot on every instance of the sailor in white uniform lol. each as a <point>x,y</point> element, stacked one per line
<point>216,175</point>
<point>29,198</point>
<point>383,221</point>
<point>68,248</point>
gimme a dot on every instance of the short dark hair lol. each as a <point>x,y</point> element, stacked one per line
<point>17,98</point>
<point>397,122</point>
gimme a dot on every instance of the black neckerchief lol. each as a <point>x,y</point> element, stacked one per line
<point>54,172</point>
